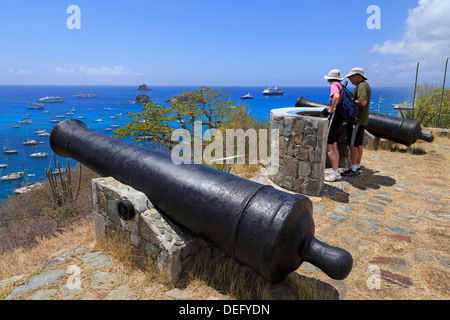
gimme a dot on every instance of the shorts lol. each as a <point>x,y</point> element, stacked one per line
<point>355,134</point>
<point>334,125</point>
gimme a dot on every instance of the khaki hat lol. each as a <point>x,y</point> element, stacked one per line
<point>359,71</point>
<point>334,74</point>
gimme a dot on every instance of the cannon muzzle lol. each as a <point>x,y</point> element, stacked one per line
<point>404,131</point>
<point>266,229</point>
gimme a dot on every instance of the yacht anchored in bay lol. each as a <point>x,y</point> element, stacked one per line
<point>273,92</point>
<point>50,100</point>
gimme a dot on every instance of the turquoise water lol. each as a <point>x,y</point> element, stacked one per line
<point>114,100</point>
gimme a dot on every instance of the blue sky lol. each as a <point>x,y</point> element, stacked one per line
<point>224,43</point>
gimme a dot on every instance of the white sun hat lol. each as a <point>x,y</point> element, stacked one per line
<point>359,71</point>
<point>334,74</point>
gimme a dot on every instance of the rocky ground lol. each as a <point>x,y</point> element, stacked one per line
<point>393,218</point>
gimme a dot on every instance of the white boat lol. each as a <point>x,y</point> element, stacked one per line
<point>12,176</point>
<point>36,106</point>
<point>273,92</point>
<point>51,99</point>
<point>98,120</point>
<point>81,117</point>
<point>3,165</point>
<point>28,188</point>
<point>84,93</point>
<point>43,134</point>
<point>38,155</point>
<point>30,143</point>
<point>247,96</point>
<point>7,150</point>
<point>26,121</point>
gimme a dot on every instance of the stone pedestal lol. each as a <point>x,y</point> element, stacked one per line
<point>302,150</point>
<point>151,235</point>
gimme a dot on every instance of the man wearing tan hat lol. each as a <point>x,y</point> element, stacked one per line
<point>355,129</point>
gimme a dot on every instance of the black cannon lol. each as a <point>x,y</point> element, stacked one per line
<point>266,229</point>
<point>399,130</point>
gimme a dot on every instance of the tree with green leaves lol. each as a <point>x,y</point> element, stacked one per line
<point>157,121</point>
<point>431,107</point>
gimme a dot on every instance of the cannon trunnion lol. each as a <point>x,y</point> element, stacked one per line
<point>266,229</point>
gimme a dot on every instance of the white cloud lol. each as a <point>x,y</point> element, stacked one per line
<point>426,39</point>
<point>115,71</point>
<point>19,72</point>
<point>108,71</point>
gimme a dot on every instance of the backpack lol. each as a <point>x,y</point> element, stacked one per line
<point>348,108</point>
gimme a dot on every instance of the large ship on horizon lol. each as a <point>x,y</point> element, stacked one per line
<point>50,100</point>
<point>273,92</point>
<point>84,93</point>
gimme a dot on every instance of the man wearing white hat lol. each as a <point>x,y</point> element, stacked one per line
<point>355,129</point>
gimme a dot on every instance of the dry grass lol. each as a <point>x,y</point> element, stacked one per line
<point>24,260</point>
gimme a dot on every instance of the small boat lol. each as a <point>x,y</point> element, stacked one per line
<point>43,134</point>
<point>54,121</point>
<point>30,143</point>
<point>3,165</point>
<point>273,92</point>
<point>115,125</point>
<point>36,106</point>
<point>7,150</point>
<point>98,120</point>
<point>16,126</point>
<point>247,96</point>
<point>28,188</point>
<point>12,176</point>
<point>81,117</point>
<point>38,155</point>
<point>60,116</point>
<point>26,121</point>
<point>51,99</point>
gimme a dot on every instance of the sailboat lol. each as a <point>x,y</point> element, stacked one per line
<point>11,176</point>
<point>28,186</point>
<point>7,150</point>
<point>4,165</point>
<point>85,94</point>
<point>29,142</point>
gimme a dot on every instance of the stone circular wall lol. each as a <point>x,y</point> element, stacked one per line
<point>302,149</point>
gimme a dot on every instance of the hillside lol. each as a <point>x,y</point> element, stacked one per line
<point>393,218</point>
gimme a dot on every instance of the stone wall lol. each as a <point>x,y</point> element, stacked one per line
<point>302,152</point>
<point>152,236</point>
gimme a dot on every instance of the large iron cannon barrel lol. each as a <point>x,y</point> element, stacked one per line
<point>266,229</point>
<point>404,131</point>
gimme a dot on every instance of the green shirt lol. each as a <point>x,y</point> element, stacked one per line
<point>363,92</point>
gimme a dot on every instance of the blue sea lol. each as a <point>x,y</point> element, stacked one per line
<point>113,101</point>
